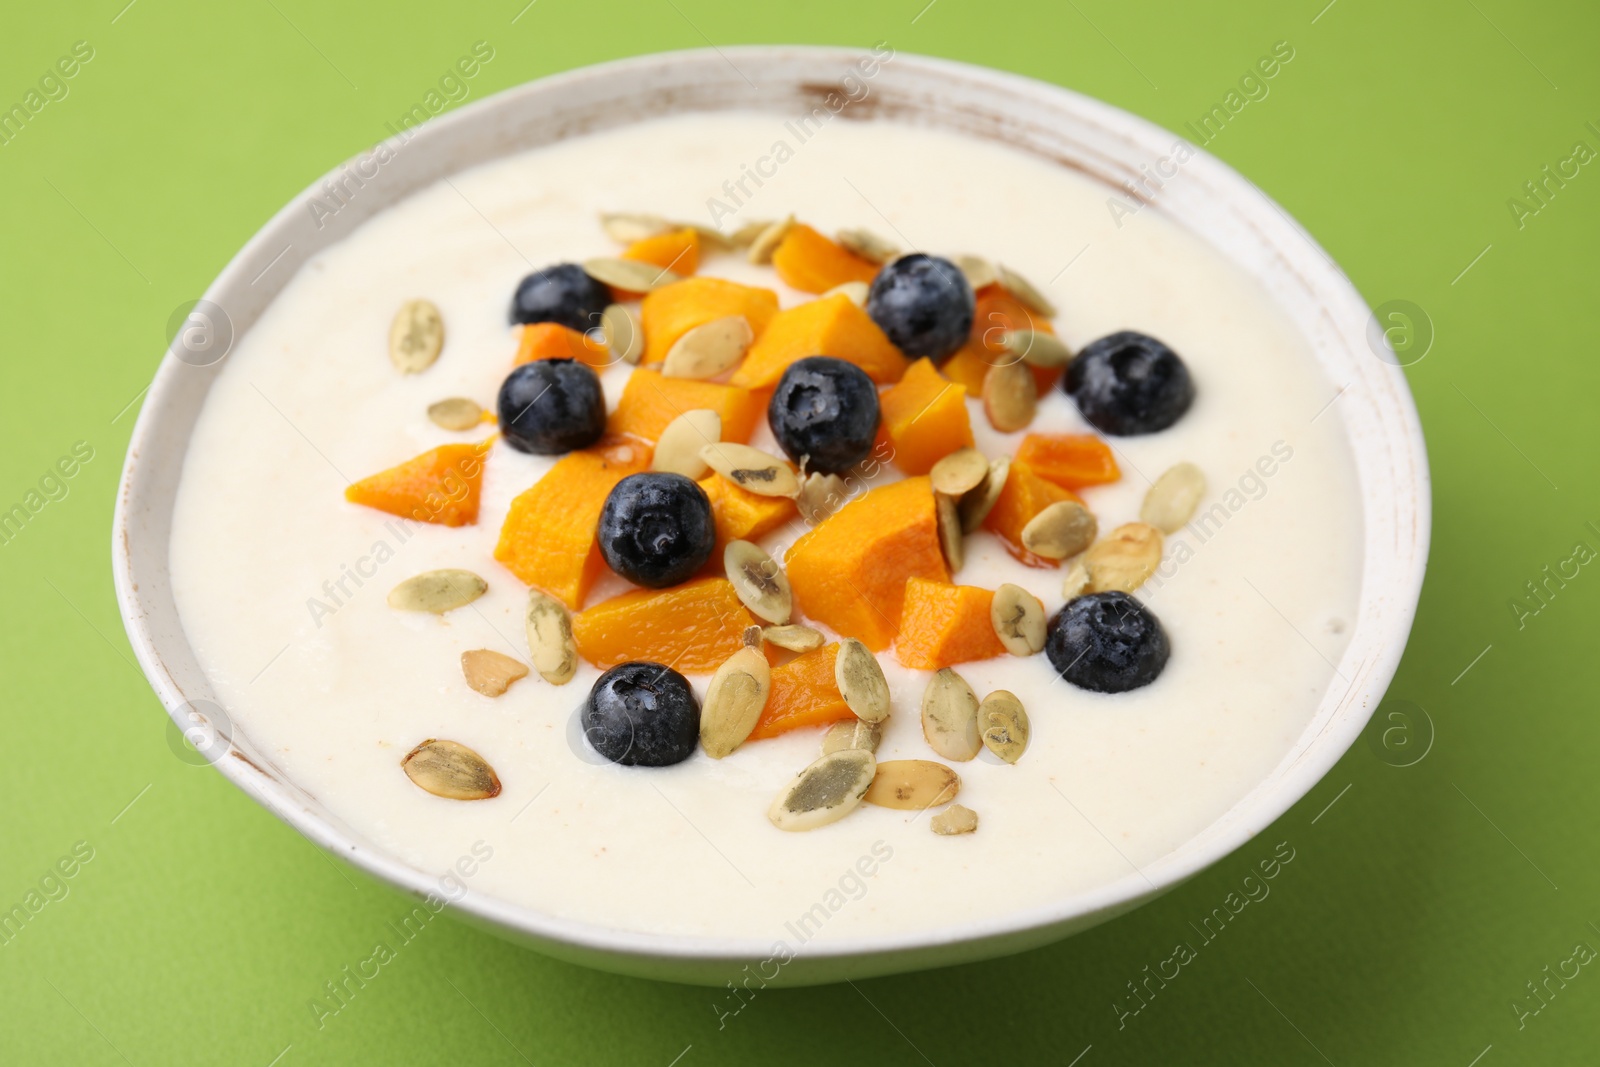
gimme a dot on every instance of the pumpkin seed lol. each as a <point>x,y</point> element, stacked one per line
<point>751,637</point>
<point>627,227</point>
<point>794,637</point>
<point>1063,529</point>
<point>734,698</point>
<point>1038,349</point>
<point>861,682</point>
<point>1170,503</point>
<point>852,733</point>
<point>416,336</point>
<point>961,471</point>
<point>825,792</point>
<point>979,272</point>
<point>768,240</point>
<point>678,450</point>
<point>1010,396</point>
<point>709,234</point>
<point>977,503</point>
<point>709,349</point>
<point>1018,618</point>
<point>550,643</point>
<point>856,291</point>
<point>1004,724</point>
<point>437,591</point>
<point>631,275</point>
<point>950,716</point>
<point>451,770</point>
<point>956,819</point>
<point>758,581</point>
<point>912,784</point>
<point>949,518</point>
<point>868,245</point>
<point>745,235</point>
<point>1124,558</point>
<point>1026,292</point>
<point>821,495</point>
<point>624,336</point>
<point>1076,583</point>
<point>751,469</point>
<point>491,673</point>
<point>456,413</point>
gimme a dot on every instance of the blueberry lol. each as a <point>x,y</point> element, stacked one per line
<point>642,715</point>
<point>551,406</point>
<point>562,293</point>
<point>1107,642</point>
<point>1127,383</point>
<point>656,529</point>
<point>825,409</point>
<point>924,304</point>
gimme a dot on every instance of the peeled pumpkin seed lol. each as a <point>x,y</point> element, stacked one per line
<point>912,784</point>
<point>745,235</point>
<point>960,472</point>
<point>825,792</point>
<point>451,770</point>
<point>821,495</point>
<point>868,245</point>
<point>416,336</point>
<point>977,503</point>
<point>758,581</point>
<point>1170,503</point>
<point>631,275</point>
<point>1124,558</point>
<point>627,227</point>
<point>950,542</point>
<point>861,682</point>
<point>950,716</point>
<point>1062,529</point>
<point>437,591</point>
<point>1025,291</point>
<point>1018,618</point>
<point>751,469</point>
<point>1003,722</point>
<point>1038,349</point>
<point>456,413</point>
<point>954,820</point>
<point>979,271</point>
<point>491,673</point>
<point>1010,396</point>
<point>768,240</point>
<point>550,642</point>
<point>709,349</point>
<point>734,699</point>
<point>794,637</point>
<point>624,336</point>
<point>856,291</point>
<point>852,733</point>
<point>1076,582</point>
<point>678,450</point>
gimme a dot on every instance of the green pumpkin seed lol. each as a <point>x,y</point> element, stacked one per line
<point>1018,618</point>
<point>794,637</point>
<point>758,581</point>
<point>631,275</point>
<point>437,591</point>
<point>734,698</point>
<point>1026,292</point>
<point>624,336</point>
<point>550,643</point>
<point>450,770</point>
<point>416,336</point>
<point>825,792</point>
<point>852,733</point>
<point>950,716</point>
<point>457,413</point>
<point>751,469</point>
<point>709,349</point>
<point>861,682</point>
<point>769,239</point>
<point>1003,722</point>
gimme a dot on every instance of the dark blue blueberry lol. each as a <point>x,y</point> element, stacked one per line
<point>656,529</point>
<point>562,293</point>
<point>1107,642</point>
<point>551,406</point>
<point>825,409</point>
<point>642,715</point>
<point>924,304</point>
<point>1127,383</point>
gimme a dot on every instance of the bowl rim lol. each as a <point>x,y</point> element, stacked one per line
<point>1303,767</point>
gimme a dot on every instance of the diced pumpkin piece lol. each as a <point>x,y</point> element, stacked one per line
<point>741,515</point>
<point>1071,460</point>
<point>831,327</point>
<point>811,263</point>
<point>650,400</point>
<point>691,627</point>
<point>440,486</point>
<point>548,539</point>
<point>942,625</point>
<point>804,693</point>
<point>675,250</point>
<point>850,570</point>
<point>924,418</point>
<point>671,311</point>
<point>968,366</point>
<point>1024,496</point>
<point>551,340</point>
<point>995,313</point>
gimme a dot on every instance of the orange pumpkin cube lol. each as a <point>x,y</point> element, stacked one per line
<point>1025,495</point>
<point>675,250</point>
<point>741,515</point>
<point>942,625</point>
<point>673,310</point>
<point>804,693</point>
<point>650,400</point>
<point>811,263</point>
<point>831,327</point>
<point>440,486</point>
<point>968,366</point>
<point>551,340</point>
<point>1071,460</point>
<point>924,418</point>
<point>850,570</point>
<point>691,627</point>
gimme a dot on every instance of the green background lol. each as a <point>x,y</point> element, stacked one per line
<point>1419,903</point>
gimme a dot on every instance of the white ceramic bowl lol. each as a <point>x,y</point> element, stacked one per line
<point>1099,141</point>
